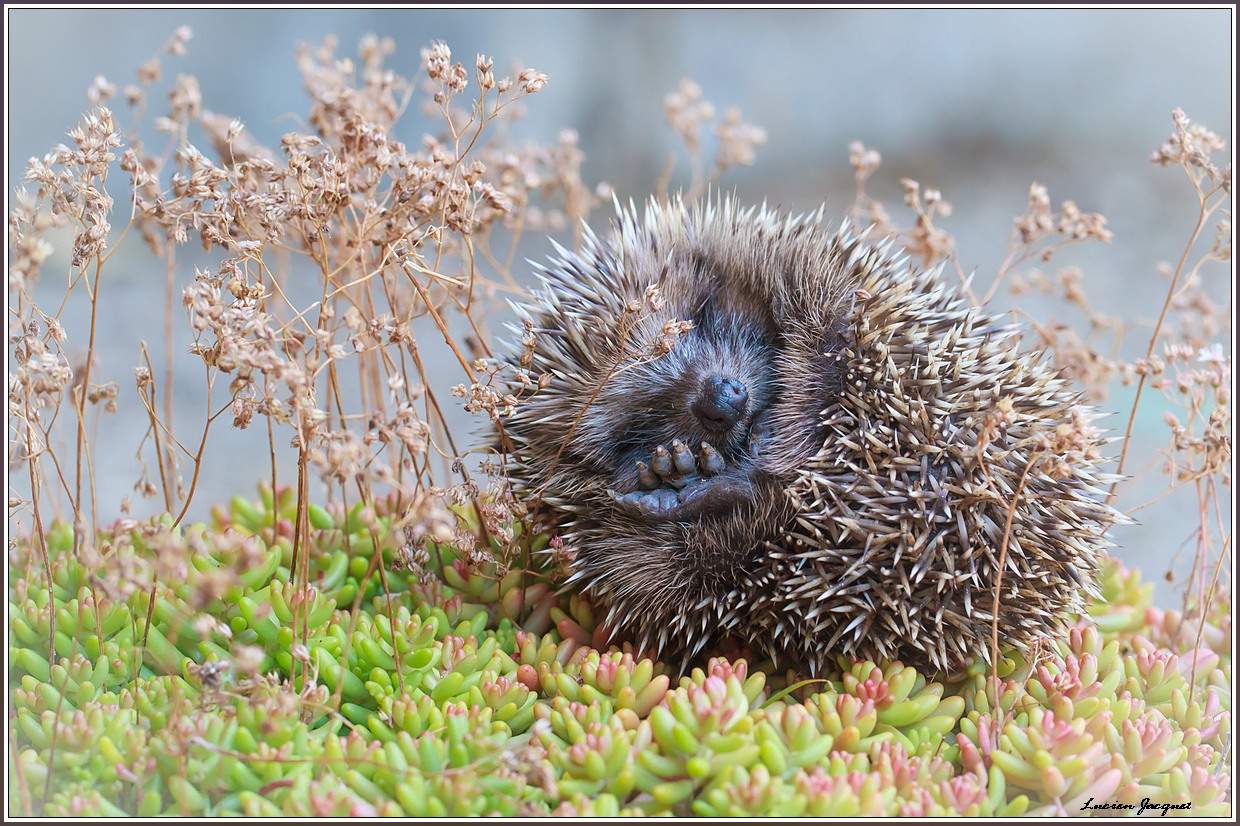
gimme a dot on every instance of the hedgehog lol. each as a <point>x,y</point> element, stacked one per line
<point>754,430</point>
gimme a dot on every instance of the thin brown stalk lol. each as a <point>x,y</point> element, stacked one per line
<point>1203,215</point>
<point>146,629</point>
<point>159,447</point>
<point>271,447</point>
<point>410,268</point>
<point>1204,610</point>
<point>202,446</point>
<point>80,399</point>
<point>1003,550</point>
<point>36,493</point>
<point>300,572</point>
<point>19,770</point>
<point>169,284</point>
<point>52,740</point>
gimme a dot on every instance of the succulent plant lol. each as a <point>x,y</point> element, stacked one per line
<point>464,689</point>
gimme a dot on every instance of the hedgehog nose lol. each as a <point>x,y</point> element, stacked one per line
<point>721,403</point>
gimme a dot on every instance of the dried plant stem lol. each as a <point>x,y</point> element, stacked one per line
<point>504,268</point>
<point>271,446</point>
<point>19,770</point>
<point>433,403</point>
<point>1204,603</point>
<point>1012,260</point>
<point>45,433</point>
<point>264,305</point>
<point>410,268</point>
<point>202,446</point>
<point>137,662</point>
<point>52,740</point>
<point>697,180</point>
<point>300,569</point>
<point>1003,550</point>
<point>36,492</point>
<point>80,399</point>
<point>1172,488</point>
<point>1203,214</point>
<point>464,770</point>
<point>149,404</point>
<point>153,416</point>
<point>376,560</point>
<point>465,307</point>
<point>169,284</point>
<point>432,406</point>
<point>369,370</point>
<point>146,629</point>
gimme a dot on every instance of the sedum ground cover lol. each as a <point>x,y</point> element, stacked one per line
<point>446,691</point>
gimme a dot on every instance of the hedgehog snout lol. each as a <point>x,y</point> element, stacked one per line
<point>721,403</point>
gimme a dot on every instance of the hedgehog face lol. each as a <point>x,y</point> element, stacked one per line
<point>690,448</point>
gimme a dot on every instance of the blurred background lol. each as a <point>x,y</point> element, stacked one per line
<point>976,103</point>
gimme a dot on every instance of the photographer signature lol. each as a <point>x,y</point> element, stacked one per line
<point>1141,809</point>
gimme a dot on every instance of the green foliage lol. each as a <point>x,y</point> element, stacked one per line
<point>459,690</point>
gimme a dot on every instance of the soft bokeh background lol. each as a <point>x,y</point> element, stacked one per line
<point>977,103</point>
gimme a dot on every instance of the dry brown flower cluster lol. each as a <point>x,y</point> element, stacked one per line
<point>325,254</point>
<point>687,112</point>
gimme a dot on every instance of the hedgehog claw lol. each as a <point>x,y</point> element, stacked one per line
<point>662,462</point>
<point>682,458</point>
<point>709,460</point>
<point>646,477</point>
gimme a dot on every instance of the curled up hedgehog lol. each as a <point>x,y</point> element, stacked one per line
<point>763,431</point>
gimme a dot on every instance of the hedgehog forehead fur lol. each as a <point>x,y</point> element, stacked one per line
<point>801,470</point>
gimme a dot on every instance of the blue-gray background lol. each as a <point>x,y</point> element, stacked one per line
<point>978,103</point>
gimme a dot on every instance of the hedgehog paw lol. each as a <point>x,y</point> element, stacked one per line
<point>677,467</point>
<point>658,504</point>
<point>676,484</point>
<point>695,498</point>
